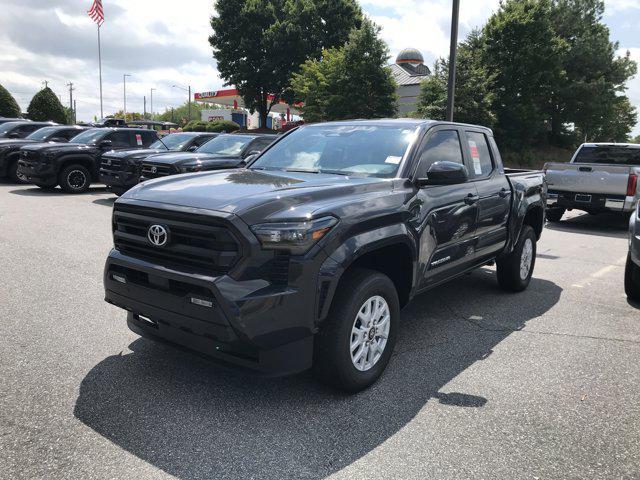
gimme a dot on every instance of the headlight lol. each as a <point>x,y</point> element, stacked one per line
<point>297,237</point>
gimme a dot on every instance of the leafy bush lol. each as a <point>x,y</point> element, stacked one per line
<point>8,105</point>
<point>45,106</point>
<point>226,126</point>
<point>195,126</point>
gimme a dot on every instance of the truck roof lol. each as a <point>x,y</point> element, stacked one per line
<point>408,122</point>
<point>611,144</point>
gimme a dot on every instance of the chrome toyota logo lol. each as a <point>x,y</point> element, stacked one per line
<point>154,169</point>
<point>158,235</point>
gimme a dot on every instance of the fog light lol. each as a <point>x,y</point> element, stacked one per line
<point>201,302</point>
<point>118,278</point>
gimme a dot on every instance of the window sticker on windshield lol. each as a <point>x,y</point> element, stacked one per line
<point>393,159</point>
<point>475,156</point>
<point>139,139</point>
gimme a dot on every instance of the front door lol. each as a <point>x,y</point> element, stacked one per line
<point>444,216</point>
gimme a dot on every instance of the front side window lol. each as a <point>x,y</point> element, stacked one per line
<point>90,137</point>
<point>175,142</point>
<point>119,139</point>
<point>481,163</point>
<point>368,150</point>
<point>442,146</point>
<point>226,145</point>
<point>7,127</point>
<point>43,134</point>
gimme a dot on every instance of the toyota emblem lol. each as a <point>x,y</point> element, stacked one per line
<point>158,235</point>
<point>154,169</point>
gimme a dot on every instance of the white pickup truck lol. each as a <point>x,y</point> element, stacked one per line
<point>601,177</point>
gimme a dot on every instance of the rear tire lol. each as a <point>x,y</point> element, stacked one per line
<point>632,280</point>
<point>75,179</point>
<point>351,351</point>
<point>515,270</point>
<point>555,214</point>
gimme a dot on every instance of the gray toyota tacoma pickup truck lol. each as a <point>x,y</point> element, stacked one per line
<point>304,258</point>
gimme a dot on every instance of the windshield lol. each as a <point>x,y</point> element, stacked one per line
<point>612,154</point>
<point>226,144</point>
<point>42,133</point>
<point>89,136</point>
<point>174,142</point>
<point>369,150</point>
<point>5,127</point>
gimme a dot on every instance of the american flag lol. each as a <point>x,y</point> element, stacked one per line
<point>97,13</point>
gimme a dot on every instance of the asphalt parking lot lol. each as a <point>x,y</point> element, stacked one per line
<point>542,384</point>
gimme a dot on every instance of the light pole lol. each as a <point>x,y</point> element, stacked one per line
<point>187,89</point>
<point>124,94</point>
<point>151,102</point>
<point>451,87</point>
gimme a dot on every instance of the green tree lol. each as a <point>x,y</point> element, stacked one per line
<point>259,44</point>
<point>8,105</point>
<point>636,139</point>
<point>348,82</point>
<point>180,115</point>
<point>473,97</point>
<point>45,106</point>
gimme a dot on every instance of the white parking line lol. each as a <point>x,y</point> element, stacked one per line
<point>602,272</point>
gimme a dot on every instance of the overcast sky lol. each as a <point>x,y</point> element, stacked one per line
<point>164,42</point>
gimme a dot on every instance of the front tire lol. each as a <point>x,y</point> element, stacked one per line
<point>13,174</point>
<point>75,179</point>
<point>357,339</point>
<point>632,280</point>
<point>515,270</point>
<point>555,214</point>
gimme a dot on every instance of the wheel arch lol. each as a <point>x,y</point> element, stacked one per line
<point>84,160</point>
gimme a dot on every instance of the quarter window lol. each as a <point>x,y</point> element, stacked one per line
<point>481,163</point>
<point>442,146</point>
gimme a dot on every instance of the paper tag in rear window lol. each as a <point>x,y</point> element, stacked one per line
<point>475,156</point>
<point>138,139</point>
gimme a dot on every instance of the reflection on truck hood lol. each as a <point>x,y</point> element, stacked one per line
<point>134,153</point>
<point>61,147</point>
<point>258,196</point>
<point>183,158</point>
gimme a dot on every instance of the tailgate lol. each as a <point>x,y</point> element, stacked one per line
<point>588,178</point>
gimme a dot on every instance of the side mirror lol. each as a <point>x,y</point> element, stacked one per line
<point>192,148</point>
<point>445,173</point>
<point>13,135</point>
<point>58,140</point>
<point>249,158</point>
<point>105,144</point>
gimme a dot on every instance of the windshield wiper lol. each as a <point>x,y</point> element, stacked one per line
<point>336,172</point>
<point>301,170</point>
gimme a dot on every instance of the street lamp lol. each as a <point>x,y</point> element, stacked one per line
<point>186,89</point>
<point>124,94</point>
<point>152,102</point>
<point>451,87</point>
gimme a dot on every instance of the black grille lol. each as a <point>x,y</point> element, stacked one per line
<point>279,273</point>
<point>195,241</point>
<point>30,156</point>
<point>150,170</point>
<point>112,164</point>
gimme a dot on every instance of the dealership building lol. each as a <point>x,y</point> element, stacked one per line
<point>408,72</point>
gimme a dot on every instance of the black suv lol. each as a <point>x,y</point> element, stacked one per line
<point>10,148</point>
<point>225,151</point>
<point>304,258</point>
<point>75,165</point>
<point>120,170</point>
<point>9,119</point>
<point>21,128</point>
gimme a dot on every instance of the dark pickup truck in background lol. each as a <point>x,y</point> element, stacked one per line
<point>305,257</point>
<point>10,148</point>
<point>75,165</point>
<point>225,151</point>
<point>21,128</point>
<point>120,169</point>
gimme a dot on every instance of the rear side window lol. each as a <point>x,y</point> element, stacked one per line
<point>259,144</point>
<point>148,137</point>
<point>28,128</point>
<point>68,134</point>
<point>612,154</point>
<point>443,145</point>
<point>480,154</point>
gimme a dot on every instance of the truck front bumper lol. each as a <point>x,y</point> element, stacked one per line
<point>118,180</point>
<point>251,324</point>
<point>591,202</point>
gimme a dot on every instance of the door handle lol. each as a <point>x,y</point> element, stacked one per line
<point>504,192</point>
<point>471,199</point>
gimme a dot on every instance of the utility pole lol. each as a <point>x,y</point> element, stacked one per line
<point>189,102</point>
<point>71,89</point>
<point>144,106</point>
<point>451,87</point>
<point>46,84</point>
<point>124,94</point>
<point>75,112</point>
<point>151,105</point>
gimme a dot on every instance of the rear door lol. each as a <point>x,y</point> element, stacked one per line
<point>494,192</point>
<point>444,216</point>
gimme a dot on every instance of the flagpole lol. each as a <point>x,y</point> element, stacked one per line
<point>100,70</point>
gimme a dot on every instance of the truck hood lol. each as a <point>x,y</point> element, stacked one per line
<point>134,153</point>
<point>259,196</point>
<point>59,148</point>
<point>179,159</point>
<point>14,142</point>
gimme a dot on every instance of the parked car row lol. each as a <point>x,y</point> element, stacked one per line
<point>300,249</point>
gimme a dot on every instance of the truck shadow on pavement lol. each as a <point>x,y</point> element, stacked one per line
<point>604,225</point>
<point>40,192</point>
<point>193,419</point>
